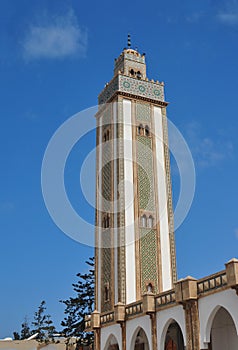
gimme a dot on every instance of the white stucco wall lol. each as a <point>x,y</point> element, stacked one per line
<point>107,332</point>
<point>164,318</point>
<point>209,305</point>
<point>162,198</point>
<point>30,345</point>
<point>223,332</point>
<point>132,328</point>
<point>129,204</point>
<point>115,145</point>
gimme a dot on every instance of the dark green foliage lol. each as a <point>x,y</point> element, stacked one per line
<point>16,336</point>
<point>43,324</point>
<point>77,307</point>
<point>49,328</point>
<point>39,321</point>
<point>25,329</point>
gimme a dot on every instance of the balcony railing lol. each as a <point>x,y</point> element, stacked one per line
<point>212,282</point>
<point>164,299</point>
<point>107,317</point>
<point>134,309</point>
<point>87,322</point>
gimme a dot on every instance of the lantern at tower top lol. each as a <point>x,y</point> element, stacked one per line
<point>131,63</point>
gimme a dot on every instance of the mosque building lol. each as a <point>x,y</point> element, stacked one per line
<point>139,302</point>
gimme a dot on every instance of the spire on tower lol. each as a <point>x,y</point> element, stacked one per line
<point>129,41</point>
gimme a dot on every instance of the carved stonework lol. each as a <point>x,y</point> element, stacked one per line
<point>192,324</point>
<point>134,86</point>
<point>232,273</point>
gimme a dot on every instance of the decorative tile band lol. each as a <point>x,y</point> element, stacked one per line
<point>143,88</point>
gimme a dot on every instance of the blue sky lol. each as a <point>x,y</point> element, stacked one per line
<point>55,57</point>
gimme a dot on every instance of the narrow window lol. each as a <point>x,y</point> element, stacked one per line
<point>150,288</point>
<point>138,74</point>
<point>106,292</point>
<point>150,222</point>
<point>140,130</point>
<point>132,72</point>
<point>147,131</point>
<point>143,221</point>
<point>106,136</point>
<point>107,221</point>
<point>104,222</point>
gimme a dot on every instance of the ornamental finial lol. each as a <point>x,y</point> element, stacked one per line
<point>129,41</point>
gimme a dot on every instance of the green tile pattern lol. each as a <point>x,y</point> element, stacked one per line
<point>145,173</point>
<point>107,264</point>
<point>141,88</point>
<point>109,91</point>
<point>121,215</point>
<point>134,86</point>
<point>143,112</point>
<point>106,176</point>
<point>146,192</point>
<point>149,266</point>
<point>106,234</point>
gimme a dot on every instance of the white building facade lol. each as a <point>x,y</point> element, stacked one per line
<point>139,304</point>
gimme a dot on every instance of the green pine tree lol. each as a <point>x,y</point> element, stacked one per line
<point>16,336</point>
<point>49,329</point>
<point>77,307</point>
<point>43,324</point>
<point>25,329</point>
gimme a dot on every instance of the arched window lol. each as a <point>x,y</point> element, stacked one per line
<point>112,343</point>
<point>106,292</point>
<point>147,130</point>
<point>150,221</point>
<point>138,74</point>
<point>106,221</point>
<point>132,72</point>
<point>141,341</point>
<point>174,338</point>
<point>149,288</point>
<point>106,135</point>
<point>143,221</point>
<point>223,331</point>
<point>140,130</point>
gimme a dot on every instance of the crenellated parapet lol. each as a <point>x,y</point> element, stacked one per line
<point>147,89</point>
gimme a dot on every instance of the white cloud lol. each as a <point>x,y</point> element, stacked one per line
<point>56,37</point>
<point>194,17</point>
<point>228,18</point>
<point>225,12</point>
<point>229,13</point>
<point>207,151</point>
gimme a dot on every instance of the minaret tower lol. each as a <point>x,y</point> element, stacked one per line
<point>135,249</point>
